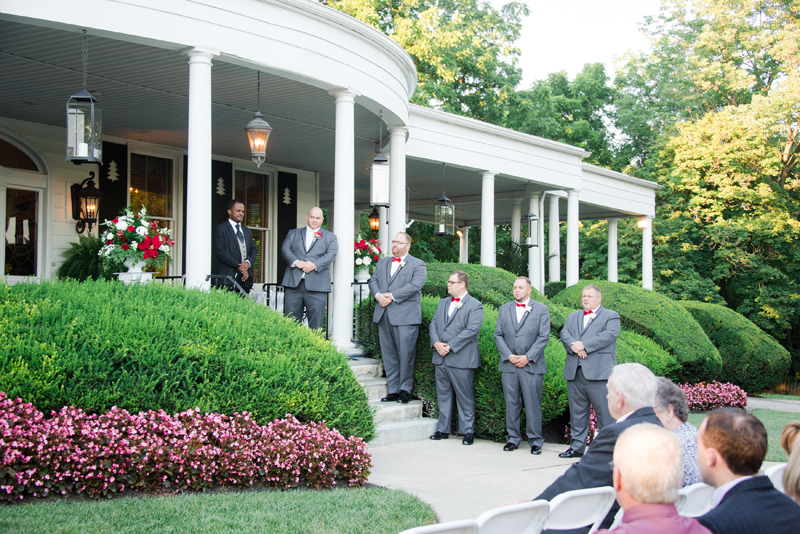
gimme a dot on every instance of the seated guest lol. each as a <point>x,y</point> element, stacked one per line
<point>791,477</point>
<point>731,446</point>
<point>648,469</point>
<point>672,410</point>
<point>631,393</point>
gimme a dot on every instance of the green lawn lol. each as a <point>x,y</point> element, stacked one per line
<point>773,422</point>
<point>774,396</point>
<point>348,510</point>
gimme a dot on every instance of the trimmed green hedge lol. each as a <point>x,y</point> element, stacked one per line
<point>659,318</point>
<point>751,358</point>
<point>98,344</point>
<point>635,348</point>
<point>490,408</point>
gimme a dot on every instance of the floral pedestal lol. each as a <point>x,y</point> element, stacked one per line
<point>360,289</point>
<point>134,274</point>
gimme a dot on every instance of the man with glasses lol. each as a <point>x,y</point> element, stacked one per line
<point>454,338</point>
<point>396,285</point>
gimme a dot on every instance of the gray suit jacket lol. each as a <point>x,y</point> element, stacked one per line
<point>528,337</point>
<point>460,331</point>
<point>322,253</point>
<point>405,287</point>
<point>600,340</point>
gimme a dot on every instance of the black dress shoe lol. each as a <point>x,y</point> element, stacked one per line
<point>404,397</point>
<point>569,453</point>
<point>510,447</point>
<point>469,439</point>
<point>439,435</point>
<point>535,449</point>
<point>391,397</point>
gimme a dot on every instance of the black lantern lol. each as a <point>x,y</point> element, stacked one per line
<point>379,174</point>
<point>533,230</point>
<point>258,131</point>
<point>84,122</point>
<point>444,213</point>
<point>374,221</point>
<point>85,203</point>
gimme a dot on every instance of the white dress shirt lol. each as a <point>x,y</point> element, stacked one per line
<point>455,305</point>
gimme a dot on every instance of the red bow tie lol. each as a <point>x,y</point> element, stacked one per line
<point>455,299</point>
<point>587,312</point>
<point>398,260</point>
<point>521,305</point>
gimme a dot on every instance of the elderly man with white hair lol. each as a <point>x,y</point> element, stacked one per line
<point>648,468</point>
<point>631,395</point>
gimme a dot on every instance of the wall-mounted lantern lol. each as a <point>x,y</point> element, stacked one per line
<point>85,204</point>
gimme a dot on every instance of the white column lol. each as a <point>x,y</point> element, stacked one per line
<point>516,216</point>
<point>573,271</point>
<point>383,232</point>
<point>488,234</point>
<point>541,254</point>
<point>463,245</point>
<point>357,222</point>
<point>647,254</point>
<point>343,212</point>
<point>533,253</point>
<point>397,181</point>
<point>198,184</point>
<point>554,248</point>
<point>612,250</point>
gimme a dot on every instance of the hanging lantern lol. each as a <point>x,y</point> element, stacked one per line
<point>374,221</point>
<point>532,223</point>
<point>444,213</point>
<point>258,131</point>
<point>84,122</point>
<point>379,174</point>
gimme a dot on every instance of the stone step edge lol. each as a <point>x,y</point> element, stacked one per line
<point>402,431</point>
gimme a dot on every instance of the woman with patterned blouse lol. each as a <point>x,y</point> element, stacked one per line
<point>672,409</point>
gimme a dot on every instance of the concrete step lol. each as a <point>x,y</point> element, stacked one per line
<point>400,431</point>
<point>395,411</point>
<point>375,388</point>
<point>366,368</point>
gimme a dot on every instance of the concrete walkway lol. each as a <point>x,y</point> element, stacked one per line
<point>779,405</point>
<point>461,482</point>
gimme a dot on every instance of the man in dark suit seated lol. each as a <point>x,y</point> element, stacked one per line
<point>631,394</point>
<point>235,248</point>
<point>731,447</point>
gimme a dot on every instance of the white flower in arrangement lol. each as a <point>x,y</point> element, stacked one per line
<point>367,261</point>
<point>141,230</point>
<point>163,248</point>
<point>359,261</point>
<point>122,224</point>
<point>109,236</point>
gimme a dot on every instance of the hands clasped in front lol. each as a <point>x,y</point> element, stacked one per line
<point>242,268</point>
<point>518,360</point>
<point>383,299</point>
<point>442,348</point>
<point>578,348</point>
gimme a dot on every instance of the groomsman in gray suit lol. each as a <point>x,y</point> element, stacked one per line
<point>454,337</point>
<point>396,285</point>
<point>590,337</point>
<point>522,333</point>
<point>308,252</point>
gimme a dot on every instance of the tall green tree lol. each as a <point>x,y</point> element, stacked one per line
<point>464,50</point>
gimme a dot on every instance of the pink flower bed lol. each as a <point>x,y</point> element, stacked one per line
<point>100,455</point>
<point>705,396</point>
<point>592,428</point>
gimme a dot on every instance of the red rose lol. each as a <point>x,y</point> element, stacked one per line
<point>116,220</point>
<point>125,246</point>
<point>109,242</point>
<point>318,234</point>
<point>377,258</point>
<point>131,229</point>
<point>371,240</point>
<point>362,243</point>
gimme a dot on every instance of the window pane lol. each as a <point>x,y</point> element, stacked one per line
<point>258,269</point>
<point>13,158</point>
<point>251,188</point>
<point>151,185</point>
<point>21,232</point>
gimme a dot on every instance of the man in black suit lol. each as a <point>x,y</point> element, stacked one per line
<point>235,248</point>
<point>631,391</point>
<point>731,447</point>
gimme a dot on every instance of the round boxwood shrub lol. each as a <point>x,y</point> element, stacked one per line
<point>96,344</point>
<point>635,348</point>
<point>751,358</point>
<point>659,318</point>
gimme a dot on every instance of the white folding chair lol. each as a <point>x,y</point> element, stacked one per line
<point>579,508</point>
<point>694,500</point>
<point>466,526</point>
<point>617,519</point>
<point>524,518</point>
<point>775,474</point>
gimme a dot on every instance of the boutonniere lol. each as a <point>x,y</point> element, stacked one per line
<point>592,316</point>
<point>403,264</point>
<point>459,304</point>
<point>528,308</point>
<point>317,235</point>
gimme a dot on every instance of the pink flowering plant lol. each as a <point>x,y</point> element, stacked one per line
<point>705,396</point>
<point>133,235</point>
<point>102,455</point>
<point>592,428</point>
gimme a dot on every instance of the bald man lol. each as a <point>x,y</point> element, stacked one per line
<point>308,253</point>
